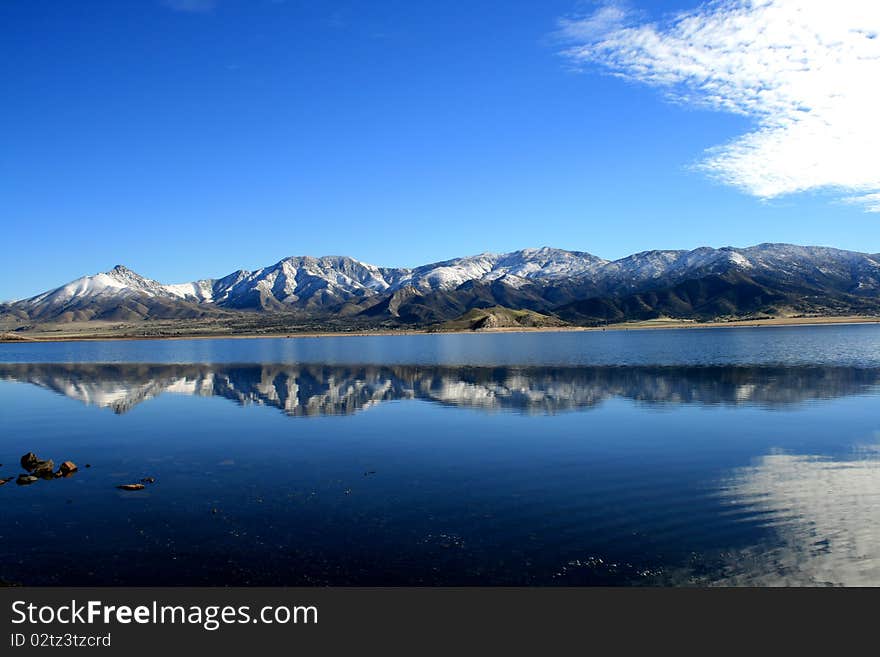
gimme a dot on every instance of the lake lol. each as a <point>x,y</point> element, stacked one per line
<point>741,456</point>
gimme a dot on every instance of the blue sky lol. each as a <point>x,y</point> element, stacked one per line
<point>190,138</point>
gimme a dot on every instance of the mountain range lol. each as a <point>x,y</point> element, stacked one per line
<point>570,286</point>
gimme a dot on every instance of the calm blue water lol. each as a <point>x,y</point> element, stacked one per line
<point>853,345</point>
<point>736,456</point>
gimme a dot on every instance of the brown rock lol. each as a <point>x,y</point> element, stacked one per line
<point>6,480</point>
<point>37,467</point>
<point>67,468</point>
<point>26,480</point>
<point>44,469</point>
<point>29,460</point>
<point>131,487</point>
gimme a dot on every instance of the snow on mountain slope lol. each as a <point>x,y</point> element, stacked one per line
<point>119,294</point>
<point>634,271</point>
<point>326,283</point>
<point>304,280</point>
<point>199,291</point>
<point>308,282</point>
<point>118,281</point>
<point>542,264</point>
<point>847,270</point>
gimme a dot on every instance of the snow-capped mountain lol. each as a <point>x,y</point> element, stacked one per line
<point>118,281</point>
<point>302,282</point>
<point>515,269</point>
<point>778,261</point>
<point>117,294</point>
<point>306,282</point>
<point>544,280</point>
<point>312,282</point>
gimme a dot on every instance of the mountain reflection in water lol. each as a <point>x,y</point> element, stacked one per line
<point>311,390</point>
<point>750,475</point>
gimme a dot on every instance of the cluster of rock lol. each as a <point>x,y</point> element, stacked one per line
<point>38,468</point>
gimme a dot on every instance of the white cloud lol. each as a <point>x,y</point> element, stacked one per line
<point>191,5</point>
<point>871,202</point>
<point>806,71</point>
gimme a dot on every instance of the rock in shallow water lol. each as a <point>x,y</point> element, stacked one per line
<point>44,469</point>
<point>37,466</point>
<point>130,487</point>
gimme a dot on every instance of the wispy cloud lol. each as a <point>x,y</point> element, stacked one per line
<point>806,71</point>
<point>191,5</point>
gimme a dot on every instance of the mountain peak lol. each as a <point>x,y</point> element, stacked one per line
<point>131,278</point>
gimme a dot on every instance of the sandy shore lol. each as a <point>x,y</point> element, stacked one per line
<point>102,333</point>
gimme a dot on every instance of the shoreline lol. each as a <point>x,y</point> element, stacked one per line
<point>10,338</point>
